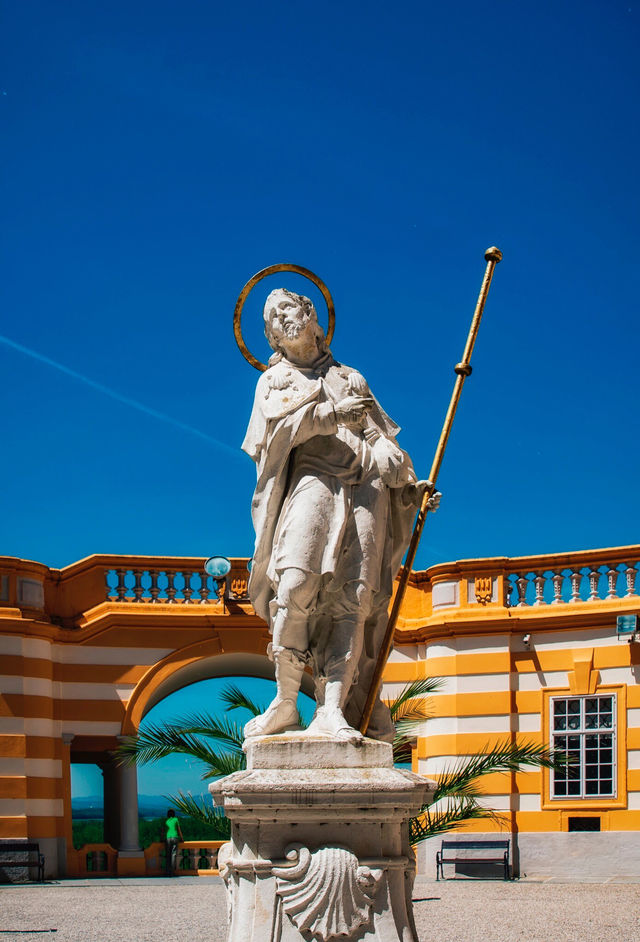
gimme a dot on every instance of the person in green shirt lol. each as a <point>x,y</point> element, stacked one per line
<point>172,838</point>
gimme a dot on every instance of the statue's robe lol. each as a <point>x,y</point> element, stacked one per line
<point>354,526</point>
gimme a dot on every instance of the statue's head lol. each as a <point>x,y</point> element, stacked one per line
<point>291,326</point>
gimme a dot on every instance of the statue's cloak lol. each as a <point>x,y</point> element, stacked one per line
<point>287,409</point>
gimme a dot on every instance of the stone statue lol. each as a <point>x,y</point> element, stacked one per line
<point>333,509</point>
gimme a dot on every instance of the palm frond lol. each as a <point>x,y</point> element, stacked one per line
<point>236,699</point>
<point>157,742</point>
<point>408,711</point>
<point>226,764</point>
<point>202,810</point>
<point>224,730</point>
<point>459,779</point>
<point>456,813</point>
<point>410,725</point>
<point>404,706</point>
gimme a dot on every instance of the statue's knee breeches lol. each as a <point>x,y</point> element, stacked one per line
<point>297,592</point>
<point>296,596</point>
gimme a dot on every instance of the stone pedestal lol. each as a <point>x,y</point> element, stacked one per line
<point>319,846</point>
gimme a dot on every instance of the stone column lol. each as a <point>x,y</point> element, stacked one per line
<point>319,843</point>
<point>130,856</point>
<point>111,802</point>
<point>66,853</point>
<point>128,781</point>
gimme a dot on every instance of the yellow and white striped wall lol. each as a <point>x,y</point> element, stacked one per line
<point>86,651</point>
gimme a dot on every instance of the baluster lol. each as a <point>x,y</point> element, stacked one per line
<point>594,579</point>
<point>508,590</point>
<point>187,591</point>
<point>171,589</point>
<point>155,589</point>
<point>539,582</point>
<point>576,579</point>
<point>630,575</point>
<point>612,579</point>
<point>522,582</point>
<point>109,590</point>
<point>204,589</point>
<point>221,589</point>
<point>557,580</point>
<point>121,589</point>
<point>137,587</point>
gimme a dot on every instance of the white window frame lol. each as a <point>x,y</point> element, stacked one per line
<point>582,732</point>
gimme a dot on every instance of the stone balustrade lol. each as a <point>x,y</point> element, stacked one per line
<point>572,578</point>
<point>193,857</point>
<point>173,586</point>
<point>63,596</point>
<point>169,586</point>
<point>92,860</point>
<point>100,860</point>
<point>527,582</point>
<point>586,577</point>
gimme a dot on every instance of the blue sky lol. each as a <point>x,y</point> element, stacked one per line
<point>156,155</point>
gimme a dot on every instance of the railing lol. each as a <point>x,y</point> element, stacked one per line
<point>586,577</point>
<point>93,860</point>
<point>100,860</point>
<point>572,578</point>
<point>173,586</point>
<point>193,857</point>
<point>66,595</point>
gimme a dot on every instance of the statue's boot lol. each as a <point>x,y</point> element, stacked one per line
<point>281,715</point>
<point>329,720</point>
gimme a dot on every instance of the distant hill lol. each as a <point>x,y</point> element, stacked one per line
<point>149,806</point>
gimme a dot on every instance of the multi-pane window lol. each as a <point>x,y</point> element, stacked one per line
<point>584,729</point>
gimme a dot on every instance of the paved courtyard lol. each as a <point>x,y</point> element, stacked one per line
<point>164,910</point>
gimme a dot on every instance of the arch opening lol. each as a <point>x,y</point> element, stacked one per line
<point>230,666</point>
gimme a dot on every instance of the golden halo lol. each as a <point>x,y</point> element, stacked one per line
<point>271,270</point>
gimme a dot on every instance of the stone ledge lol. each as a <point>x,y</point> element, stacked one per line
<point>301,751</point>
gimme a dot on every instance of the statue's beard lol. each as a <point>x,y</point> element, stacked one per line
<point>293,331</point>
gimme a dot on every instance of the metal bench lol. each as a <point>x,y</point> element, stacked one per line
<point>31,857</point>
<point>449,853</point>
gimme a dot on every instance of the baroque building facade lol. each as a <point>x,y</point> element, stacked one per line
<point>527,648</point>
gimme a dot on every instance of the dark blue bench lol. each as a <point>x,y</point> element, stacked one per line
<point>449,853</point>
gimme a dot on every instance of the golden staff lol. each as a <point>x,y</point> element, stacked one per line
<point>462,369</point>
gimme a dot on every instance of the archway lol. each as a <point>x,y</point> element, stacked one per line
<point>200,661</point>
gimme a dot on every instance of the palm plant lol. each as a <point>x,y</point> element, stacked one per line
<point>408,710</point>
<point>456,799</point>
<point>217,743</point>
